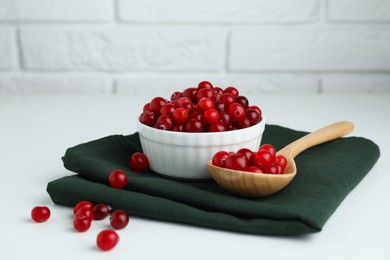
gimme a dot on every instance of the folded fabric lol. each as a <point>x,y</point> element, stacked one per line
<point>326,174</point>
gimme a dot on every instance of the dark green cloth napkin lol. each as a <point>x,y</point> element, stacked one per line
<point>326,174</point>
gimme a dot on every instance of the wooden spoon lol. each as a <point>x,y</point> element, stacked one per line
<point>251,184</point>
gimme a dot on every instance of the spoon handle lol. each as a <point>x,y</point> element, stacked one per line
<point>320,136</point>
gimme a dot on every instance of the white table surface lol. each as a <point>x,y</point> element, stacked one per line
<point>35,131</point>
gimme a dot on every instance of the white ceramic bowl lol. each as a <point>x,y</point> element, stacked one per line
<point>185,155</point>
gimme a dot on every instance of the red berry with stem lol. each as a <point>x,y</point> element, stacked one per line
<point>119,219</point>
<point>236,161</point>
<point>82,204</point>
<point>100,211</point>
<point>107,239</point>
<point>117,179</point>
<point>138,162</point>
<point>40,213</point>
<point>219,158</point>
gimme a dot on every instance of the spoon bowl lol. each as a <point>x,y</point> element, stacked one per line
<point>250,184</point>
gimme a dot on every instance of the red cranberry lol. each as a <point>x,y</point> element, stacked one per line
<point>219,158</point>
<point>107,239</point>
<point>148,118</point>
<point>84,212</point>
<point>236,162</point>
<point>167,109</point>
<point>138,162</point>
<point>205,84</point>
<point>248,154</point>
<point>232,90</point>
<point>210,116</point>
<point>190,93</point>
<point>224,118</point>
<point>40,213</point>
<point>270,149</point>
<point>176,95</point>
<point>205,93</point>
<point>243,101</point>
<point>180,115</point>
<point>227,99</point>
<point>81,224</point>
<point>253,116</point>
<point>204,104</point>
<point>117,179</point>
<point>82,204</point>
<point>243,122</point>
<point>164,122</point>
<point>236,111</point>
<point>157,103</point>
<point>100,211</point>
<point>194,125</point>
<point>217,127</point>
<point>119,219</point>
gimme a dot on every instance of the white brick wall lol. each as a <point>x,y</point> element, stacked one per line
<point>155,46</point>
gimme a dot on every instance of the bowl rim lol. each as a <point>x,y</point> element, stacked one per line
<point>168,133</point>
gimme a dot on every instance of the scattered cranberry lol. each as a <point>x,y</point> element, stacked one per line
<point>139,162</point>
<point>81,224</point>
<point>228,108</point>
<point>117,179</point>
<point>262,161</point>
<point>82,204</point>
<point>40,213</point>
<point>100,211</point>
<point>119,219</point>
<point>107,239</point>
<point>85,212</point>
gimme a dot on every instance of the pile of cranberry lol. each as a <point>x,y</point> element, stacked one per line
<point>264,160</point>
<point>85,211</point>
<point>202,109</point>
